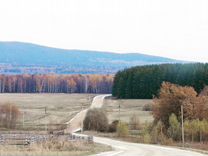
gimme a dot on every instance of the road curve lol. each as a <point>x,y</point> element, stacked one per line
<point>122,148</point>
<point>98,101</point>
<point>76,122</point>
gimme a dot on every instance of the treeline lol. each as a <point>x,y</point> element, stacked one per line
<point>56,83</point>
<point>144,81</point>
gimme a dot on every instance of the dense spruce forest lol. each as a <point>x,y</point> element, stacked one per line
<point>143,82</point>
<point>56,83</point>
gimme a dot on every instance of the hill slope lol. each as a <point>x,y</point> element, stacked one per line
<point>18,57</point>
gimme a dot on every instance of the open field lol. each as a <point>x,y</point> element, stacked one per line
<point>127,109</point>
<point>60,108</point>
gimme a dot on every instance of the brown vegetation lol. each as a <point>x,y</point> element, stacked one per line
<point>171,98</point>
<point>96,120</point>
<point>41,110</point>
<point>9,115</point>
<point>147,107</point>
<point>167,110</point>
<point>113,126</point>
<point>54,148</point>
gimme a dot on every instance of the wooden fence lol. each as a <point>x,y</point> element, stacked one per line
<point>81,137</point>
<point>31,138</point>
<point>22,139</point>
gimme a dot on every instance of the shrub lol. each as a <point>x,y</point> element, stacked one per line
<point>55,144</point>
<point>9,115</point>
<point>134,123</point>
<point>147,138</point>
<point>122,129</point>
<point>204,92</point>
<point>113,126</point>
<point>157,133</point>
<point>145,134</point>
<point>147,107</point>
<point>167,141</point>
<point>174,131</point>
<point>96,119</point>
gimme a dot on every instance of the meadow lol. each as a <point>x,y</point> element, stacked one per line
<point>128,108</point>
<point>40,109</point>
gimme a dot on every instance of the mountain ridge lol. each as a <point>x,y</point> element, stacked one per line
<point>22,57</point>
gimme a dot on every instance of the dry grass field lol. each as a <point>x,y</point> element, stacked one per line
<point>60,108</point>
<point>127,109</point>
<point>54,149</point>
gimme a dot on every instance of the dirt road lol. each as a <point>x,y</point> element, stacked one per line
<point>124,148</point>
<point>76,122</point>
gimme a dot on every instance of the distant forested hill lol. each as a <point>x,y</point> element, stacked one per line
<point>144,82</point>
<point>18,58</point>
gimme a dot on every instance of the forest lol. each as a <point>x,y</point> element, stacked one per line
<point>56,83</point>
<point>143,82</point>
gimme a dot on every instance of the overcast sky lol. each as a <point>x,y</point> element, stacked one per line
<point>171,28</point>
